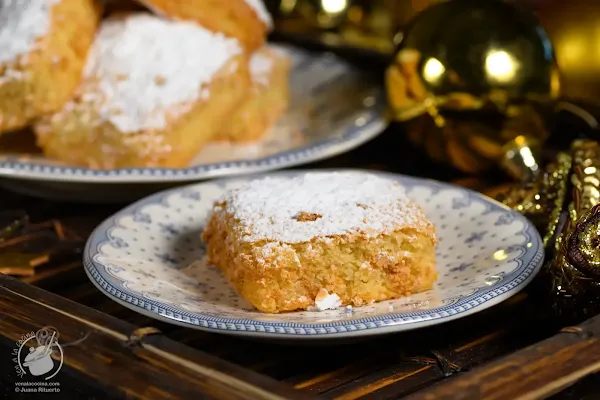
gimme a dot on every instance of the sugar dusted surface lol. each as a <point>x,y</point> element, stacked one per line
<point>261,66</point>
<point>137,63</point>
<point>259,7</point>
<point>22,23</point>
<point>298,209</point>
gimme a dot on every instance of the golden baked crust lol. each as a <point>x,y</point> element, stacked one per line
<point>234,18</point>
<point>120,116</point>
<point>277,264</point>
<point>43,79</point>
<point>266,101</point>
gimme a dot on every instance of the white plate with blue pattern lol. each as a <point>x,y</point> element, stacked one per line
<point>149,257</point>
<point>333,109</point>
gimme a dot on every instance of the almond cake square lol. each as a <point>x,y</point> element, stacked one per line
<point>323,240</point>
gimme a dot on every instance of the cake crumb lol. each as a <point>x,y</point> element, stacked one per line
<point>325,301</point>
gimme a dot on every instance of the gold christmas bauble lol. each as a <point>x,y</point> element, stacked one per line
<point>475,82</point>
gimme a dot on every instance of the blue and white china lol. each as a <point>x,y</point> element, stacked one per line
<point>334,108</point>
<point>149,257</point>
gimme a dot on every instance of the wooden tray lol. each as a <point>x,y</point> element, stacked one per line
<point>516,350</point>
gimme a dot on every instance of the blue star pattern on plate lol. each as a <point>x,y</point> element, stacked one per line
<point>475,237</point>
<point>168,229</point>
<point>462,267</point>
<point>162,270</point>
<point>142,218</point>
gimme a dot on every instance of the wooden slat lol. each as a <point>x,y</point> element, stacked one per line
<point>412,372</point>
<point>146,368</point>
<point>535,372</point>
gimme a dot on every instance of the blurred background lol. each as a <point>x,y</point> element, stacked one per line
<point>377,25</point>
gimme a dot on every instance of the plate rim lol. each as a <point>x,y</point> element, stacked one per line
<point>393,322</point>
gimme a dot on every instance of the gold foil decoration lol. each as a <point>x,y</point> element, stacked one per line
<point>542,201</point>
<point>564,204</point>
<point>578,245</point>
<point>555,191</point>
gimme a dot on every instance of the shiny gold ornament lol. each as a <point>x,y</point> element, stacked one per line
<point>475,83</point>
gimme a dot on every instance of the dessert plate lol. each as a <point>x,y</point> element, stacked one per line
<point>333,109</point>
<point>149,257</point>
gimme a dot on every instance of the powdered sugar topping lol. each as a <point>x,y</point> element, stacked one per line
<point>22,23</point>
<point>261,66</point>
<point>259,7</point>
<point>297,209</point>
<point>150,69</point>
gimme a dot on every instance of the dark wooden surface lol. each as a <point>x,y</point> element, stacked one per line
<point>538,371</point>
<point>119,358</point>
<point>383,368</point>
